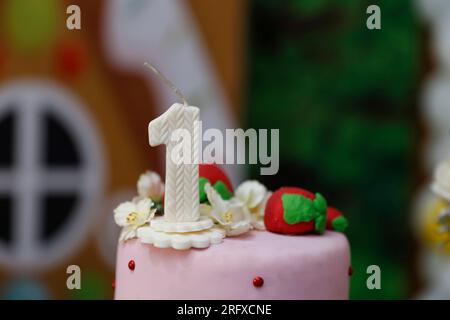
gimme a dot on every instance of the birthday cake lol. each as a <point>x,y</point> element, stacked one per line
<point>194,236</point>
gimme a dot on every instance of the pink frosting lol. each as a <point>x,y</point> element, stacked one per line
<point>293,267</point>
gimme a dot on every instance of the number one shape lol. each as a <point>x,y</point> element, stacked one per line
<point>181,198</point>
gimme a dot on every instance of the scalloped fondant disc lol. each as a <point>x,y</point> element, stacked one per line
<point>181,241</point>
<point>160,224</point>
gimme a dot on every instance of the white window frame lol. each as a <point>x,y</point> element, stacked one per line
<point>27,180</point>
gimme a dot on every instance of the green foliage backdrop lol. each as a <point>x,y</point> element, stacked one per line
<point>343,98</point>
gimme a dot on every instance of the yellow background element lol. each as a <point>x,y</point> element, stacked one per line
<point>430,232</point>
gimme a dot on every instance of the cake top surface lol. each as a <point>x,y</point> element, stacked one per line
<point>225,212</point>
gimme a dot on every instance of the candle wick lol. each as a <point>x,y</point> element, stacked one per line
<point>167,82</point>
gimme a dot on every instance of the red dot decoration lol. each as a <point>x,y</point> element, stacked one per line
<point>350,270</point>
<point>71,59</point>
<point>113,284</point>
<point>131,265</point>
<point>258,282</point>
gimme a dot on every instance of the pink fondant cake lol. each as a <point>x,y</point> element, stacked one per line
<point>289,267</point>
<point>194,236</point>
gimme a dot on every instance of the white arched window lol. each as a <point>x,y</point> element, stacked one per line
<point>51,174</point>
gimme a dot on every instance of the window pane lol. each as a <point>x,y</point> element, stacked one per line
<point>5,218</point>
<point>6,140</point>
<point>58,210</point>
<point>60,148</point>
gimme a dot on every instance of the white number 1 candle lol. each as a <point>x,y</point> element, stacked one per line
<point>181,227</point>
<point>181,199</point>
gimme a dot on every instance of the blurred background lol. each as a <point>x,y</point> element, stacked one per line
<point>363,118</point>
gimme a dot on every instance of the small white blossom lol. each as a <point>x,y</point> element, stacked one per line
<point>254,196</point>
<point>150,186</point>
<point>130,216</point>
<point>229,214</point>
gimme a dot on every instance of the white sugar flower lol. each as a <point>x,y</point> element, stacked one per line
<point>254,196</point>
<point>150,186</point>
<point>131,216</point>
<point>229,214</point>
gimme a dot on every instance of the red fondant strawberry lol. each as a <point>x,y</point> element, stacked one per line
<point>293,210</point>
<point>216,176</point>
<point>336,220</point>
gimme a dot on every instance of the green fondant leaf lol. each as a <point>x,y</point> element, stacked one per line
<point>222,189</point>
<point>307,210</point>
<point>320,204</point>
<point>320,224</point>
<point>340,223</point>
<point>201,185</point>
<point>291,201</point>
<point>291,216</point>
<point>297,208</point>
<point>159,206</point>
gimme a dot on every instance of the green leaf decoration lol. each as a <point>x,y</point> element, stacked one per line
<point>297,208</point>
<point>219,186</point>
<point>222,189</point>
<point>340,223</point>
<point>320,204</point>
<point>159,206</point>
<point>201,185</point>
<point>320,224</point>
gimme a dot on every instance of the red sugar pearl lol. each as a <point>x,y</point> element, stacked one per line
<point>350,270</point>
<point>113,284</point>
<point>131,265</point>
<point>258,282</point>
